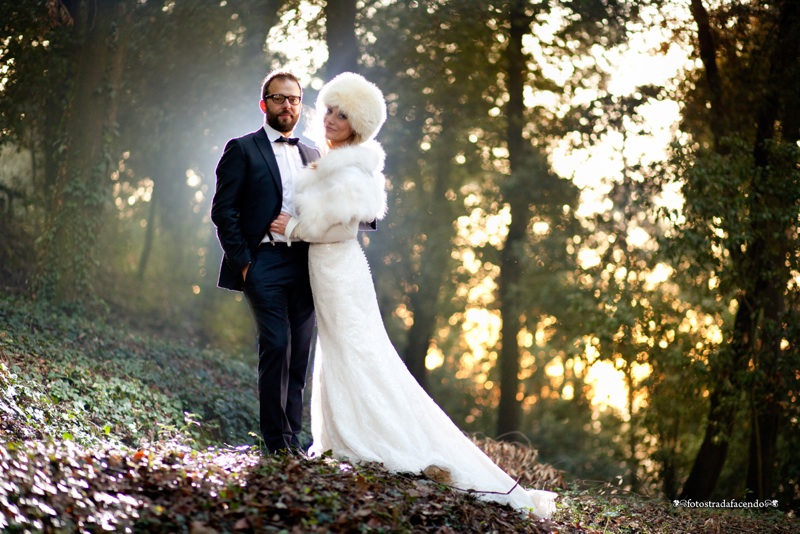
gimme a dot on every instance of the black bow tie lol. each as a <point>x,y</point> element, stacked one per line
<point>291,140</point>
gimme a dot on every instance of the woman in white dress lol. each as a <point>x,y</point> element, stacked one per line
<point>365,405</point>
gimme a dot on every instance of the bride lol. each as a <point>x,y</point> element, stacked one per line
<point>365,405</point>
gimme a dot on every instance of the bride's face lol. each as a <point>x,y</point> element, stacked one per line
<point>337,128</point>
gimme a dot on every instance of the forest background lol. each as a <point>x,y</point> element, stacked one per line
<point>551,269</point>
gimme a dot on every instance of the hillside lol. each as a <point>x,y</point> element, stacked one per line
<point>105,429</point>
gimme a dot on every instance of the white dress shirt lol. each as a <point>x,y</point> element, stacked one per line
<point>289,164</point>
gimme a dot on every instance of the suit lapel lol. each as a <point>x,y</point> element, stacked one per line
<point>264,146</point>
<point>307,154</point>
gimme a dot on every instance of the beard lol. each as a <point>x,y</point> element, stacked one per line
<point>283,122</point>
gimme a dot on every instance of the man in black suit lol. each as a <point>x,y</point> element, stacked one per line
<point>254,184</point>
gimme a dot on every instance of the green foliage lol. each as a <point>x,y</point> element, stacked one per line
<point>609,508</point>
<point>85,379</point>
<point>596,448</point>
<point>736,236</point>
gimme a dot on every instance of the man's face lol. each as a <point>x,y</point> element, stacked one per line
<point>282,117</point>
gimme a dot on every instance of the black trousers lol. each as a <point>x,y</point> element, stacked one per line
<point>278,291</point>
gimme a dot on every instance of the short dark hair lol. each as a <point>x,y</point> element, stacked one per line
<point>278,74</point>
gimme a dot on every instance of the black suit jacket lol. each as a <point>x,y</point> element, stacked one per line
<point>247,199</point>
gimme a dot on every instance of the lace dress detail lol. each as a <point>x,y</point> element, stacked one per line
<point>367,407</point>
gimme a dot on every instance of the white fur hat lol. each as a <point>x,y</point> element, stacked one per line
<point>357,98</point>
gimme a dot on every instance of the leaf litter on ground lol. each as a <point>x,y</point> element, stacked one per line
<point>170,487</point>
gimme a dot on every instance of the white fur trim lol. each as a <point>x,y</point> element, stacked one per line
<point>357,98</point>
<point>347,185</point>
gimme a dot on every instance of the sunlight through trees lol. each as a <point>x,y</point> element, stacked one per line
<point>592,238</point>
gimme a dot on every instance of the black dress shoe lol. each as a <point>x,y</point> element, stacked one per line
<point>283,451</point>
<point>299,452</point>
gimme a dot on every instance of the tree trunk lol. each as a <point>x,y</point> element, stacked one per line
<point>259,17</point>
<point>423,305</point>
<point>340,36</point>
<point>773,275</point>
<point>437,225</point>
<point>633,441</point>
<point>149,233</point>
<point>512,256</point>
<point>757,327</point>
<point>713,451</point>
<point>81,189</point>
<point>708,54</point>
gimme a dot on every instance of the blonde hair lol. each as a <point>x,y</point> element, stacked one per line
<point>354,139</point>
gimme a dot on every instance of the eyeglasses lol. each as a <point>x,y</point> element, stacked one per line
<point>280,99</point>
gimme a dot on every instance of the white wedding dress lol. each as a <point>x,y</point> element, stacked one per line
<point>367,407</point>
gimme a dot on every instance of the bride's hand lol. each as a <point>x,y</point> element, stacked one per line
<point>279,224</point>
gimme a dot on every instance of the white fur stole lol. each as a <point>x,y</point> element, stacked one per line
<point>347,185</point>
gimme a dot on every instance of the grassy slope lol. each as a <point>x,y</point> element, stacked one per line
<point>93,436</point>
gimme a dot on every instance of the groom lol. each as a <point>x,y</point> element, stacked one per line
<point>255,177</point>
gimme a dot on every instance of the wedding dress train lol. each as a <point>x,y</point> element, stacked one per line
<point>367,407</point>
